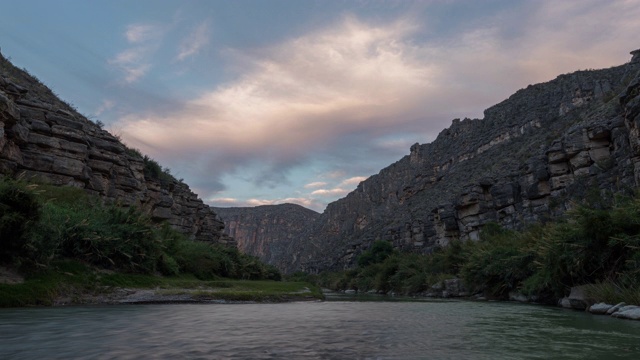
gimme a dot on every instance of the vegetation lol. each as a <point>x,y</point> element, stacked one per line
<point>42,227</point>
<point>75,280</point>
<point>153,171</point>
<point>597,243</point>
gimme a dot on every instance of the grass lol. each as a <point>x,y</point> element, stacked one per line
<point>247,290</point>
<point>73,280</point>
<point>613,293</point>
<point>69,244</point>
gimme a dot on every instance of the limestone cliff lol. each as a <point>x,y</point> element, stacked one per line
<point>269,231</point>
<point>526,161</point>
<point>43,138</point>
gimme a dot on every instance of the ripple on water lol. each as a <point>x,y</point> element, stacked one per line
<point>312,330</point>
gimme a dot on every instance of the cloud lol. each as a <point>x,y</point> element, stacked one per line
<point>353,181</point>
<point>224,201</point>
<point>315,184</point>
<point>295,98</point>
<point>137,33</point>
<point>134,62</point>
<point>350,95</point>
<point>193,43</point>
<point>330,192</point>
<point>106,105</point>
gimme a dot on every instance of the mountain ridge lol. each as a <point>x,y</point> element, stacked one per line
<point>522,163</point>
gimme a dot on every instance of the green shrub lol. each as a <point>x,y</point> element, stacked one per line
<point>379,251</point>
<point>19,210</point>
<point>153,171</point>
<point>40,224</point>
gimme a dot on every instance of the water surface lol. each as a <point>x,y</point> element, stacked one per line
<point>316,330</point>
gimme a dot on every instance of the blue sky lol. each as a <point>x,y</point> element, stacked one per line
<point>268,101</point>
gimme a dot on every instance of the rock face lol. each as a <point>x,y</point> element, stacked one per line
<point>523,163</point>
<point>45,139</point>
<point>268,231</point>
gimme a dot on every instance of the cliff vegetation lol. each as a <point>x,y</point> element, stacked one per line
<point>596,243</point>
<point>45,230</point>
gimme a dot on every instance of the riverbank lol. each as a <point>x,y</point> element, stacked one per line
<point>453,289</point>
<point>201,294</point>
<point>72,283</point>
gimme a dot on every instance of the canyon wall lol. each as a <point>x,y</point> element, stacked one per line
<point>269,231</point>
<point>530,159</point>
<point>44,139</point>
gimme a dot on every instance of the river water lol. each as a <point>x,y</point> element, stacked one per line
<point>315,330</point>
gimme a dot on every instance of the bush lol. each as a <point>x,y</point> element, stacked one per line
<point>105,236</point>
<point>379,251</point>
<point>19,210</point>
<point>596,243</point>
<point>153,171</point>
<point>38,227</point>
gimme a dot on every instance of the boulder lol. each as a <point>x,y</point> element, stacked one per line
<point>565,303</point>
<point>578,298</point>
<point>616,308</point>
<point>630,312</point>
<point>600,308</point>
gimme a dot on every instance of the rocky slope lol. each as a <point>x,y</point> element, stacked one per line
<point>44,139</point>
<point>526,161</point>
<point>268,231</point>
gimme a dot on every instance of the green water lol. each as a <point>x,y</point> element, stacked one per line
<point>316,330</point>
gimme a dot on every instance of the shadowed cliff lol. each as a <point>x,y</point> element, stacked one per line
<point>44,139</point>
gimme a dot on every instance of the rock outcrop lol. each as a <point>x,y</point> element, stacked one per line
<point>527,161</point>
<point>45,139</point>
<point>268,231</point>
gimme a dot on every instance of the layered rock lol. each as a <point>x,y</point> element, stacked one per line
<point>43,138</point>
<point>268,231</point>
<point>527,161</point>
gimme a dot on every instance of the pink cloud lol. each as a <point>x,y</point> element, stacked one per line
<point>330,192</point>
<point>354,180</point>
<point>315,185</point>
<point>309,96</point>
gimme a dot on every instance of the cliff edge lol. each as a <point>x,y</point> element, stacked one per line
<point>44,139</point>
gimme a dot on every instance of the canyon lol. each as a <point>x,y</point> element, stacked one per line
<point>529,160</point>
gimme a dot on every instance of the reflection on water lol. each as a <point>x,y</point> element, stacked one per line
<point>316,330</point>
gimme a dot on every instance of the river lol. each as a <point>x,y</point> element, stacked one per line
<point>315,330</point>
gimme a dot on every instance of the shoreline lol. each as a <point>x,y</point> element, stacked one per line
<point>619,311</point>
<point>140,296</point>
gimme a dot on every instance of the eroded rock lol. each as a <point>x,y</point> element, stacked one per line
<point>44,139</point>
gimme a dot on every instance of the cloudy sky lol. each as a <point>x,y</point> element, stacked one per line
<point>269,101</point>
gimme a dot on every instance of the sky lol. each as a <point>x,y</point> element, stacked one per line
<point>257,102</point>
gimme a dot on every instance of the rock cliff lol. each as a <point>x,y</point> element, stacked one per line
<point>269,231</point>
<point>45,139</point>
<point>524,162</point>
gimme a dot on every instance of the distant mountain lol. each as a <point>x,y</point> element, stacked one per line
<point>268,231</point>
<point>526,161</point>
